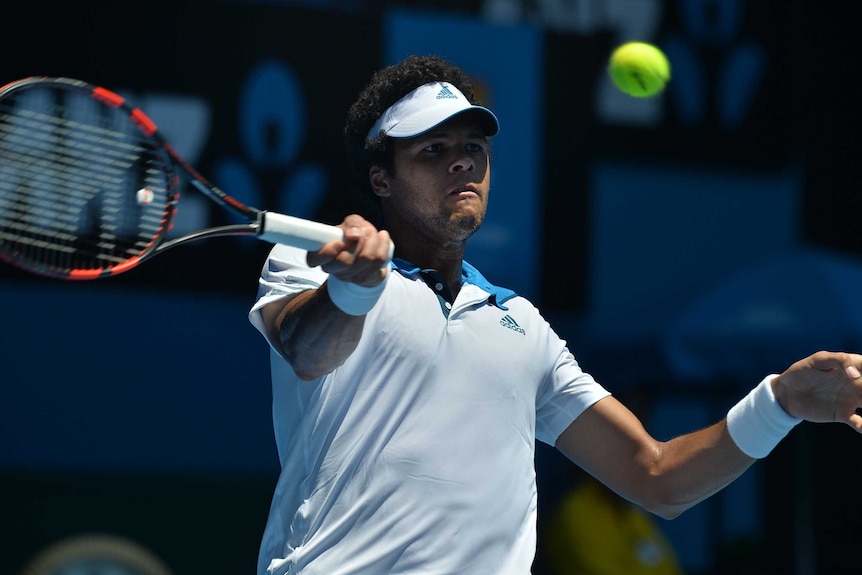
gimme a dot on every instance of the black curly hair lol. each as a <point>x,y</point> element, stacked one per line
<point>386,87</point>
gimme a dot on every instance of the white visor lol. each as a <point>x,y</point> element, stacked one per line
<point>426,107</point>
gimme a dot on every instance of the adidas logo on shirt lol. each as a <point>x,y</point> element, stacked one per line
<point>446,93</point>
<point>509,322</point>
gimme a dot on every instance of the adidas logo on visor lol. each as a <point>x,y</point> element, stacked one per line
<point>446,93</point>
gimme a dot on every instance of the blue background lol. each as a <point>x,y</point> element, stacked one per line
<point>685,246</point>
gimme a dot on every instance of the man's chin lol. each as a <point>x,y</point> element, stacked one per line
<point>465,226</point>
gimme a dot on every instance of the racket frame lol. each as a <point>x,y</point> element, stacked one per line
<point>267,226</point>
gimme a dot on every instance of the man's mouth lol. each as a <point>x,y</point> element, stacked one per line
<point>464,190</point>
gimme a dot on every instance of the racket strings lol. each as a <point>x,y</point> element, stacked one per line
<point>80,186</point>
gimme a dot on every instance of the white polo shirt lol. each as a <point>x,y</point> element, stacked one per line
<point>417,455</point>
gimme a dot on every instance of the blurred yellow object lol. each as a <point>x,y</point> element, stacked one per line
<point>596,532</point>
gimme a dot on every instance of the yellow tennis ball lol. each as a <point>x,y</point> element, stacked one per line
<point>639,69</point>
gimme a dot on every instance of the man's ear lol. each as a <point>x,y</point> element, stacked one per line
<point>378,179</point>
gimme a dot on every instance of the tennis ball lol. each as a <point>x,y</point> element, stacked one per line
<point>639,69</point>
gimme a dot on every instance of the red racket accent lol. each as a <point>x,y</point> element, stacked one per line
<point>73,159</point>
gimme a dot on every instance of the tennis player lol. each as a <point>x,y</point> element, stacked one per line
<point>407,395</point>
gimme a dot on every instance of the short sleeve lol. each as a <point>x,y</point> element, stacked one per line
<point>567,392</point>
<point>284,273</point>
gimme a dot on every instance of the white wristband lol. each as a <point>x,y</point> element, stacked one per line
<point>354,299</point>
<point>757,423</point>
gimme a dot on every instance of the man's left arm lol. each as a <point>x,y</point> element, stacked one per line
<point>668,477</point>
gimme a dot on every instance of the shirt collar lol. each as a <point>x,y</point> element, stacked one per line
<point>469,274</point>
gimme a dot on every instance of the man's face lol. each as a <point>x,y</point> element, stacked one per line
<point>441,182</point>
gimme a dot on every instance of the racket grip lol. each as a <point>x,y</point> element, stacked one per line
<point>300,233</point>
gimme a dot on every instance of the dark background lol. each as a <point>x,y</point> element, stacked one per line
<point>140,405</point>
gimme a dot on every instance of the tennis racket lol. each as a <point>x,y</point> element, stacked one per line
<point>89,187</point>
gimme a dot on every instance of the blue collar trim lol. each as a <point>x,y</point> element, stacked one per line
<point>469,274</point>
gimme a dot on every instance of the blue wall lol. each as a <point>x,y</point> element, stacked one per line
<point>615,216</point>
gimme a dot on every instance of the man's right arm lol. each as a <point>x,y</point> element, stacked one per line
<point>310,332</point>
<point>316,330</point>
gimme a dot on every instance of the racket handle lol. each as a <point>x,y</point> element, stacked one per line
<point>300,233</point>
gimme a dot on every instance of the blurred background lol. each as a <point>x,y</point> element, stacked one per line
<point>685,246</point>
